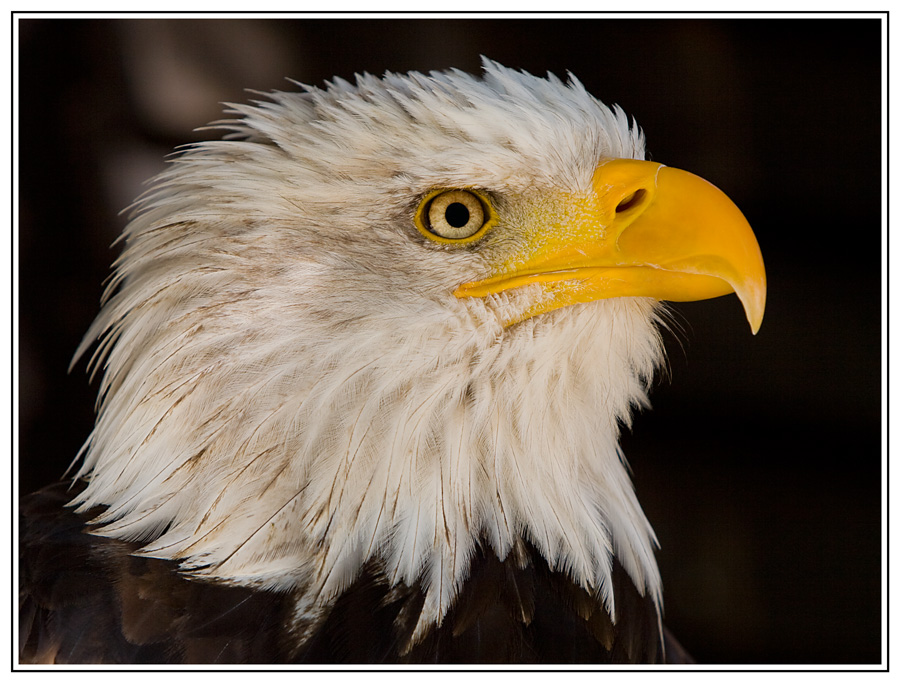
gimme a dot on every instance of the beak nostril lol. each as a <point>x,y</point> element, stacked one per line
<point>631,200</point>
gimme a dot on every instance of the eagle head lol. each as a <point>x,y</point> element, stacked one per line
<point>398,321</point>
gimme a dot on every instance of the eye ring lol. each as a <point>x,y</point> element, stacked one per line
<point>456,216</point>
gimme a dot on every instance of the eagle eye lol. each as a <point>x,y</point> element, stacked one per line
<point>454,216</point>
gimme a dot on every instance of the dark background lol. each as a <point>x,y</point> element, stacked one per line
<point>760,463</point>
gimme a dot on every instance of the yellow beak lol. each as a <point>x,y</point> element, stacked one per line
<point>644,230</point>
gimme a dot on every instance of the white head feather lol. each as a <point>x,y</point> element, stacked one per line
<point>291,389</point>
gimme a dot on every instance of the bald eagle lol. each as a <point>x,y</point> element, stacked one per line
<point>364,362</point>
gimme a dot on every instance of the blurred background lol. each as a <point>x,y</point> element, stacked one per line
<point>760,462</point>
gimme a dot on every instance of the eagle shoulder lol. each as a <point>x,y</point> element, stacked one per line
<point>89,599</point>
<point>86,599</point>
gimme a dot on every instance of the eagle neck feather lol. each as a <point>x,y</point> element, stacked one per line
<point>292,475</point>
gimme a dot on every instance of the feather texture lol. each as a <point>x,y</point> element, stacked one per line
<point>89,600</point>
<point>291,393</point>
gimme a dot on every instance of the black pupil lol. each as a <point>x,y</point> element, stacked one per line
<point>457,215</point>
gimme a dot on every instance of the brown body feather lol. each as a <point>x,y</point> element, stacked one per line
<point>87,599</point>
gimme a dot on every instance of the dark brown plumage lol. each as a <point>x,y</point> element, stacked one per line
<point>87,599</point>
